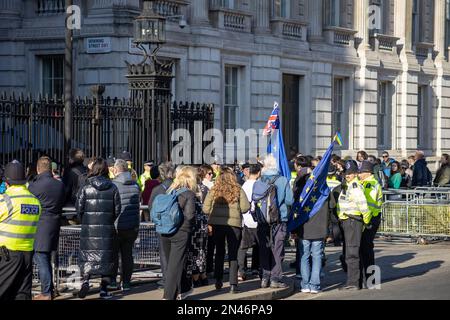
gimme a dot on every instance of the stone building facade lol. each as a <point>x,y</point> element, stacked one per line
<point>377,70</point>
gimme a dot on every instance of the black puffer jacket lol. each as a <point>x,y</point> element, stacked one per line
<point>98,206</point>
<point>129,197</point>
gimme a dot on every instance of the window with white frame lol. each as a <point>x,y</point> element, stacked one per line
<point>383,114</point>
<point>231,96</point>
<point>281,8</point>
<point>332,13</point>
<point>52,79</point>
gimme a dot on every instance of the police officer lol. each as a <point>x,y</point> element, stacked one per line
<point>353,213</point>
<point>374,197</point>
<point>335,189</point>
<point>19,215</point>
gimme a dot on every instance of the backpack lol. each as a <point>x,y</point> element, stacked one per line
<point>166,213</point>
<point>264,207</point>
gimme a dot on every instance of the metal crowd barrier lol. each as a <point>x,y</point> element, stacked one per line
<point>65,261</point>
<point>421,212</point>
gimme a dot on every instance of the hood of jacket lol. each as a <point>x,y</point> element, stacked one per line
<point>125,178</point>
<point>100,183</point>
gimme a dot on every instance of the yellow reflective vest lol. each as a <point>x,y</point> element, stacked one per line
<point>352,202</point>
<point>374,195</point>
<point>142,179</point>
<point>333,182</point>
<point>19,215</point>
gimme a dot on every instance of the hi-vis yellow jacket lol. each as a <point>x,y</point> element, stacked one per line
<point>374,195</point>
<point>19,215</point>
<point>352,202</point>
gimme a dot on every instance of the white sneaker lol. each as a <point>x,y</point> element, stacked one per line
<point>315,291</point>
<point>306,290</point>
<point>184,295</point>
<point>105,295</point>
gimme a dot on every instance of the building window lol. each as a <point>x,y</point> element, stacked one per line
<point>281,8</point>
<point>422,108</point>
<point>332,13</point>
<point>338,106</point>
<point>228,4</point>
<point>383,114</point>
<point>53,75</point>
<point>231,97</point>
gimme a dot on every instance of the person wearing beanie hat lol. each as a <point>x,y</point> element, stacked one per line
<point>19,215</point>
<point>110,161</point>
<point>353,213</point>
<point>374,196</point>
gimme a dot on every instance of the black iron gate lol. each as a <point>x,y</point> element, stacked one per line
<point>103,127</point>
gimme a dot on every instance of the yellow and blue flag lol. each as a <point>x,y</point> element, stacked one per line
<point>276,145</point>
<point>315,192</point>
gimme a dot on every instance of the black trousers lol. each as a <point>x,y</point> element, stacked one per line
<point>125,242</point>
<point>211,246</point>
<point>352,233</point>
<point>242,253</point>
<point>232,235</point>
<point>162,260</point>
<point>366,250</point>
<point>175,249</point>
<point>16,275</point>
<point>336,230</point>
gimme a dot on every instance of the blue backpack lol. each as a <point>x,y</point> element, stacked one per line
<point>166,213</point>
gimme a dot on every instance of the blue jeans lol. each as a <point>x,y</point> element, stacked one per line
<point>311,274</point>
<point>43,262</point>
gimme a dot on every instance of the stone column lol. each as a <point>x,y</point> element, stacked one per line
<point>262,16</point>
<point>315,16</point>
<point>360,20</point>
<point>199,12</point>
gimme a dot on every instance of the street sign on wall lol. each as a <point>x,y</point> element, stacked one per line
<point>98,45</point>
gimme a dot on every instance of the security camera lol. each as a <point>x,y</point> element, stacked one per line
<point>182,23</point>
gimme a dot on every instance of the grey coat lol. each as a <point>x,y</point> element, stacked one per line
<point>129,199</point>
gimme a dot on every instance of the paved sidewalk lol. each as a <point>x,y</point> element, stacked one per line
<point>408,271</point>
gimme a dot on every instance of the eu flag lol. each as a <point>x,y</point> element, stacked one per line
<point>314,194</point>
<point>276,145</point>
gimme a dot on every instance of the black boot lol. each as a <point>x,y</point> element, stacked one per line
<point>219,284</point>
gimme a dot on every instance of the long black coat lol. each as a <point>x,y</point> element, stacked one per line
<point>51,194</point>
<point>98,206</point>
<point>71,181</point>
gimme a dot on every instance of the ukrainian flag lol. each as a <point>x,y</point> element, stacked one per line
<point>338,138</point>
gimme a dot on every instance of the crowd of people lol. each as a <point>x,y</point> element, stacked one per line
<point>220,206</point>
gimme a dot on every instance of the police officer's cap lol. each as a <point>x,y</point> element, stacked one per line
<point>125,155</point>
<point>366,166</point>
<point>331,170</point>
<point>351,167</point>
<point>110,161</point>
<point>15,173</point>
<point>149,163</point>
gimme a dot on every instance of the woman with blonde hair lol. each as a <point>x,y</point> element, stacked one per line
<point>174,245</point>
<point>225,204</point>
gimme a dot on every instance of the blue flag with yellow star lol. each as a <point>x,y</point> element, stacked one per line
<point>314,194</point>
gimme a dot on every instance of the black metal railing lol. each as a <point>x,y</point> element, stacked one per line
<point>106,126</point>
